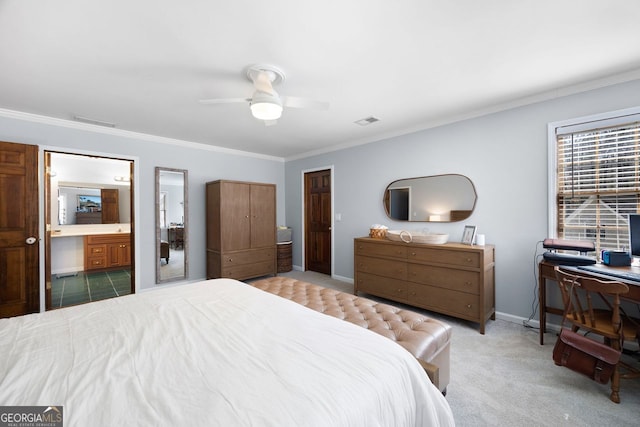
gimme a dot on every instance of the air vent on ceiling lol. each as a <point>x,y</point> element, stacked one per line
<point>93,121</point>
<point>367,121</point>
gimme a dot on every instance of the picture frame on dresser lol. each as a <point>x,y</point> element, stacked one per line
<point>469,234</point>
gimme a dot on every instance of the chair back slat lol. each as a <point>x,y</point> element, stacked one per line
<point>579,291</point>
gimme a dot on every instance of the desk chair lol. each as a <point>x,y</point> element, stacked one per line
<point>606,322</point>
<point>179,238</point>
<point>164,250</point>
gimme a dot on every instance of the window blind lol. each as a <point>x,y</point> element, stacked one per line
<point>598,181</point>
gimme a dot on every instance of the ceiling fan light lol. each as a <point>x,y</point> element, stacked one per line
<point>266,109</point>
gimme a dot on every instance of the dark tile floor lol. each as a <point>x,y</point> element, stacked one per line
<point>87,287</point>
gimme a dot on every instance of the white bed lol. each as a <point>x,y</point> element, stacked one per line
<point>215,353</point>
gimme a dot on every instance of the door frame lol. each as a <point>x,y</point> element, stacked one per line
<point>304,214</point>
<point>135,210</point>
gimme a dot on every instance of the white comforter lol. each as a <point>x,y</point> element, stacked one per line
<point>213,353</point>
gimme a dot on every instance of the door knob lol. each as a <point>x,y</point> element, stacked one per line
<point>30,240</point>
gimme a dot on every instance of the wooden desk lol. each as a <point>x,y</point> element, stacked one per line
<point>546,271</point>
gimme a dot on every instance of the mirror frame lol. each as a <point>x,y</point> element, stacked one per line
<point>458,218</point>
<point>185,191</point>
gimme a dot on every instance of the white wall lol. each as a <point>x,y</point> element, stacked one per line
<point>504,154</point>
<point>202,163</point>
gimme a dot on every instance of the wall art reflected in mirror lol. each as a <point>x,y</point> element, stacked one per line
<point>171,224</point>
<point>437,198</point>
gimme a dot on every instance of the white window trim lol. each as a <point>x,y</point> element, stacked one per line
<point>593,121</point>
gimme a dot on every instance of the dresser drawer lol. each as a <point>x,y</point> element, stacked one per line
<point>446,301</point>
<point>380,250</point>
<point>458,280</point>
<point>443,256</point>
<point>382,267</point>
<point>230,259</point>
<point>382,286</point>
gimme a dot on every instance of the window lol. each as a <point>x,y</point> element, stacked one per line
<point>597,180</point>
<point>163,209</point>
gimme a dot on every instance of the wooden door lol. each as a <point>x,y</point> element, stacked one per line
<point>318,221</point>
<point>19,247</point>
<point>110,206</point>
<point>263,216</point>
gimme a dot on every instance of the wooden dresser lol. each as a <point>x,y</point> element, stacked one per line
<point>241,229</point>
<point>453,279</point>
<point>105,251</point>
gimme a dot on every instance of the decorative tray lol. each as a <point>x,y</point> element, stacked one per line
<point>417,237</point>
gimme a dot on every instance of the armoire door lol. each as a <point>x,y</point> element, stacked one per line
<point>19,238</point>
<point>235,216</point>
<point>263,215</point>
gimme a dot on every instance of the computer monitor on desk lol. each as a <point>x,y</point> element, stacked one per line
<point>634,238</point>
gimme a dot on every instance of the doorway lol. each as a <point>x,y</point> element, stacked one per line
<point>89,228</point>
<point>318,221</point>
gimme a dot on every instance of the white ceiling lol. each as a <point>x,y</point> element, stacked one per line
<point>144,64</point>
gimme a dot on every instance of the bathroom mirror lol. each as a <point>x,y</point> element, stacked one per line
<point>93,203</point>
<point>437,198</point>
<point>171,224</point>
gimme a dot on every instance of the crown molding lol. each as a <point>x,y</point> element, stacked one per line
<point>52,121</point>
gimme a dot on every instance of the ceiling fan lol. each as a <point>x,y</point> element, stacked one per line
<point>265,103</point>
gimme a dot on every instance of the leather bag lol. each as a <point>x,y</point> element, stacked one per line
<point>583,355</point>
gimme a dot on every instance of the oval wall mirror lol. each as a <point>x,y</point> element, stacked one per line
<point>171,224</point>
<point>437,198</point>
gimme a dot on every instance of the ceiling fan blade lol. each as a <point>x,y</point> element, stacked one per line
<point>224,100</point>
<point>295,102</point>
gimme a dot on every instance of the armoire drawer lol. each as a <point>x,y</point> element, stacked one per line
<point>457,280</point>
<point>440,256</point>
<point>380,250</point>
<point>245,271</point>
<point>230,259</point>
<point>382,267</point>
<point>446,301</point>
<point>385,287</point>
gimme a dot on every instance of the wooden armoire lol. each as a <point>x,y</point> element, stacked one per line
<point>241,229</point>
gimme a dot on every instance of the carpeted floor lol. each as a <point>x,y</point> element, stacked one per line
<point>506,378</point>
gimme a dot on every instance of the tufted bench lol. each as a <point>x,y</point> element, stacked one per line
<point>427,339</point>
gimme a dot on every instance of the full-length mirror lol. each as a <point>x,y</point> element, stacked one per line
<point>171,224</point>
<point>437,198</point>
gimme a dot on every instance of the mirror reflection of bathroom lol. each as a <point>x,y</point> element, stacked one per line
<point>90,216</point>
<point>171,210</point>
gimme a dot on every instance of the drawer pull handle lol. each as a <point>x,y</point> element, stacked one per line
<point>468,305</point>
<point>468,259</point>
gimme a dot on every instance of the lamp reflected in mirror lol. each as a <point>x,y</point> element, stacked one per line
<point>171,224</point>
<point>437,198</point>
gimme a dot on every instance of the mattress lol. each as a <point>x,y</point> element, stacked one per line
<point>216,353</point>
